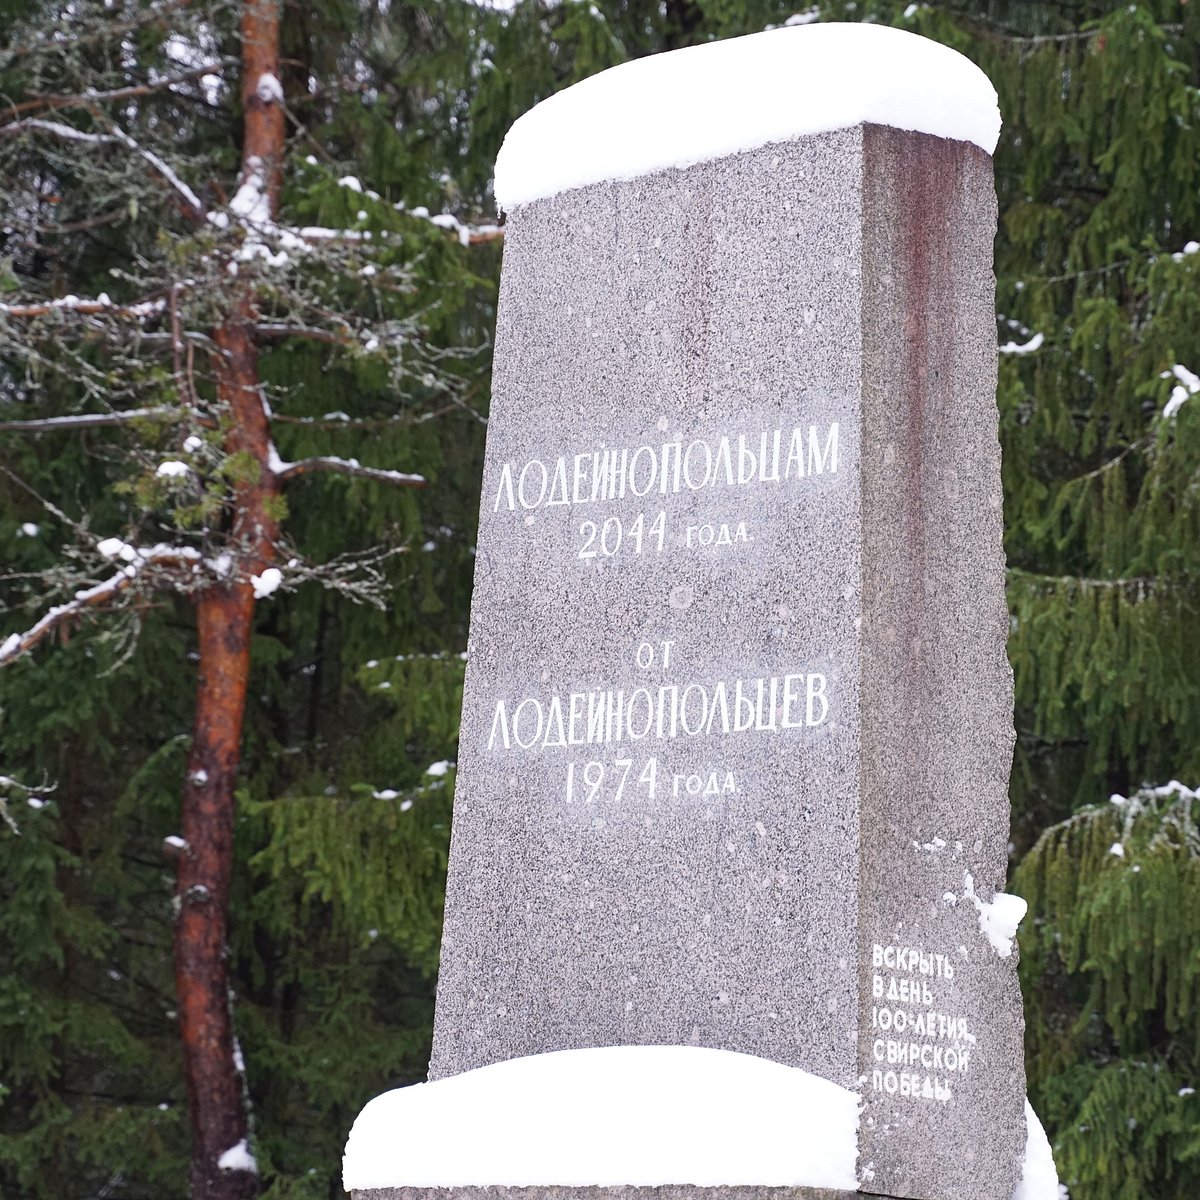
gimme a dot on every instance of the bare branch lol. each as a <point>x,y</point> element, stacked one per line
<point>48,505</point>
<point>190,201</point>
<point>89,99</point>
<point>286,472</point>
<point>277,331</point>
<point>91,420</point>
<point>340,420</point>
<point>358,577</point>
<point>81,226</point>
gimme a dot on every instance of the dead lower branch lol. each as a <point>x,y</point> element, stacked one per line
<point>189,201</point>
<point>91,99</point>
<point>91,420</point>
<point>286,472</point>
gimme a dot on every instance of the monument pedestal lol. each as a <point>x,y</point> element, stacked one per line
<point>673,1192</point>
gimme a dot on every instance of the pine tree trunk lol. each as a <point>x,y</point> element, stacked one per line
<point>225,621</point>
<point>215,1101</point>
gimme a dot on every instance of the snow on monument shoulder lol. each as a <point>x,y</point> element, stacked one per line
<point>638,1115</point>
<point>704,102</point>
<point>998,918</point>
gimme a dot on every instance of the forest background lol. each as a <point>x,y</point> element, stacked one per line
<point>152,251</point>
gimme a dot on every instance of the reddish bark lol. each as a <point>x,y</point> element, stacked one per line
<point>263,127</point>
<point>213,1084</point>
<point>225,618</point>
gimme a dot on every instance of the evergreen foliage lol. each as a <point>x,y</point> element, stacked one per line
<point>342,836</point>
<point>1113,1035</point>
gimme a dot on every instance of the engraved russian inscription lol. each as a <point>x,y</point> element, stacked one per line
<point>918,1047</point>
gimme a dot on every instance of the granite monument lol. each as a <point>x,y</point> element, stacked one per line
<point>737,725</point>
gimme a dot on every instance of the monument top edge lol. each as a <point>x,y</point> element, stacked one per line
<point>709,101</point>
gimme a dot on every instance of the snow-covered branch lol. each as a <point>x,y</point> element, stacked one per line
<point>32,798</point>
<point>86,306</point>
<point>90,420</point>
<point>467,235</point>
<point>191,202</point>
<point>1030,347</point>
<point>285,472</point>
<point>249,209</point>
<point>190,199</point>
<point>136,562</point>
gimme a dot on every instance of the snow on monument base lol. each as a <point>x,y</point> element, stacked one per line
<point>624,1123</point>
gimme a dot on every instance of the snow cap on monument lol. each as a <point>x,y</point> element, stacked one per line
<point>705,102</point>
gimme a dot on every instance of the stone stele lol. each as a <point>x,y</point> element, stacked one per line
<point>737,724</point>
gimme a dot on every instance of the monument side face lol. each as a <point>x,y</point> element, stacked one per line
<point>656,828</point>
<point>941,1048</point>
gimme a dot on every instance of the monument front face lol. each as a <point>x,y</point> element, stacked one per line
<point>737,721</point>
<point>656,830</point>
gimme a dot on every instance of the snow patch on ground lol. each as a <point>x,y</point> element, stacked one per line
<point>998,918</point>
<point>708,101</point>
<point>643,1115</point>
